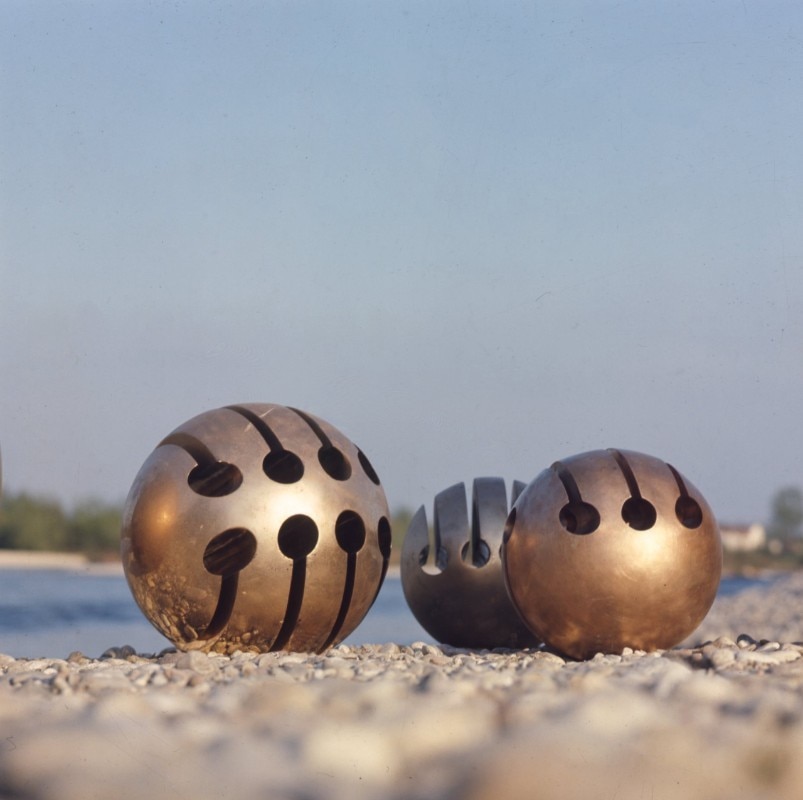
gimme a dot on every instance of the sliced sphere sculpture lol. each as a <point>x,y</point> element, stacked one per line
<point>611,549</point>
<point>255,527</point>
<point>452,576</point>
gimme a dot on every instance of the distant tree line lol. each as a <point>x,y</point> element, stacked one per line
<point>399,522</point>
<point>786,520</point>
<point>35,523</point>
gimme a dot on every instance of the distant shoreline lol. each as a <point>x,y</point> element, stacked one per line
<point>37,559</point>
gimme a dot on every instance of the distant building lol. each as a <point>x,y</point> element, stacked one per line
<point>743,537</point>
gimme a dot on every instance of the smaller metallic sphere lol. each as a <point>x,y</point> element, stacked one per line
<point>256,527</point>
<point>452,576</point>
<point>611,549</point>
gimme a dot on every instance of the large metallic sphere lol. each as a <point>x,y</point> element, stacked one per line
<point>452,576</point>
<point>255,527</point>
<point>612,549</point>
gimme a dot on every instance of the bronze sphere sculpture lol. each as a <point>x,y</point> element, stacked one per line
<point>611,549</point>
<point>255,527</point>
<point>452,576</point>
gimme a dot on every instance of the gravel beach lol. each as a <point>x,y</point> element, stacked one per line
<point>719,717</point>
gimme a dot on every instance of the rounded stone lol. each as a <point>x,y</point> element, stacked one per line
<point>611,549</point>
<point>256,527</point>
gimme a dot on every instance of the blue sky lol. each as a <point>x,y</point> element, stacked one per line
<point>476,237</point>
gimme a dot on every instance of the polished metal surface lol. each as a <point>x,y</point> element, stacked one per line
<point>612,549</point>
<point>452,576</point>
<point>256,527</point>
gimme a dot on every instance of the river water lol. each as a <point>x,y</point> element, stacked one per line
<point>57,611</point>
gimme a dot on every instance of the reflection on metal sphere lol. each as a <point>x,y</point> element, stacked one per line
<point>452,579</point>
<point>612,549</point>
<point>255,527</point>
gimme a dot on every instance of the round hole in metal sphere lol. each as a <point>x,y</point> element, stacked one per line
<point>367,467</point>
<point>215,479</point>
<point>334,463</point>
<point>580,518</point>
<point>298,536</point>
<point>384,537</point>
<point>283,466</point>
<point>350,532</point>
<point>689,513</point>
<point>230,551</point>
<point>478,555</point>
<point>639,514</point>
